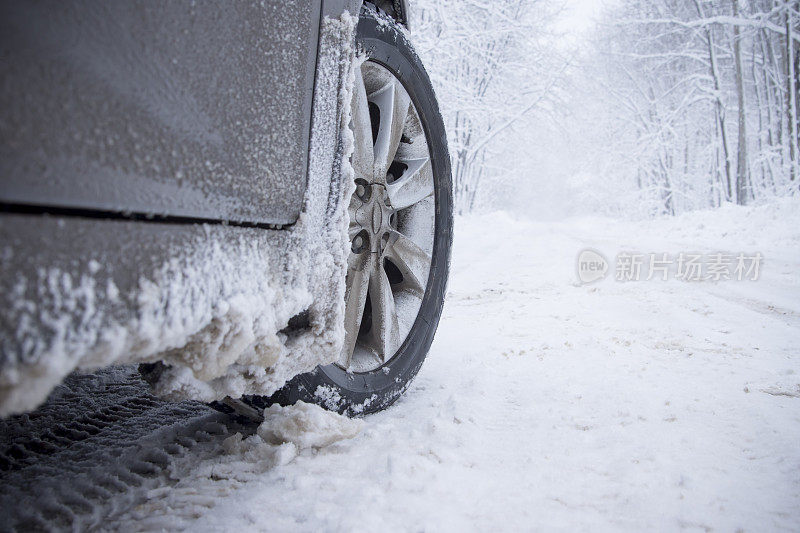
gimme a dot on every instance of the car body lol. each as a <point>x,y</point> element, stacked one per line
<point>174,181</point>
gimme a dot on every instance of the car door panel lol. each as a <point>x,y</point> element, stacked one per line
<point>180,108</point>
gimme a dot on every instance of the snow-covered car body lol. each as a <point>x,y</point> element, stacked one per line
<point>172,184</point>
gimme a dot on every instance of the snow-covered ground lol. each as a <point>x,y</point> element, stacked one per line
<point>548,405</point>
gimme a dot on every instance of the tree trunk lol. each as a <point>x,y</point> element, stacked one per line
<point>791,95</point>
<point>762,163</point>
<point>742,170</point>
<point>719,108</point>
<point>769,92</point>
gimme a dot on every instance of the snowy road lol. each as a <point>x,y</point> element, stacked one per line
<point>543,405</point>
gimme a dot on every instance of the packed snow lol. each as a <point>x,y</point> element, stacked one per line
<point>547,404</point>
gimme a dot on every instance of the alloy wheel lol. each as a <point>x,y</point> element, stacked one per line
<point>392,220</point>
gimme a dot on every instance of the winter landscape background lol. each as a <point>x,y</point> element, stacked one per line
<point>633,403</point>
<point>632,108</point>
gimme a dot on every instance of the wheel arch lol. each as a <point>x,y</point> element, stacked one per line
<point>397,9</point>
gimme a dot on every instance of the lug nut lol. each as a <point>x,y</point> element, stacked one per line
<point>360,190</point>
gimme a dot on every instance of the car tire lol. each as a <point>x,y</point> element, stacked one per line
<point>360,393</point>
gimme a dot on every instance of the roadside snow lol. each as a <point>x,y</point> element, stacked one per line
<point>545,404</point>
<point>306,426</point>
<point>286,430</point>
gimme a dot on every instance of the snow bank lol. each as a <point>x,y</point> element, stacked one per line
<point>771,225</point>
<point>306,425</point>
<point>286,433</point>
<point>289,430</point>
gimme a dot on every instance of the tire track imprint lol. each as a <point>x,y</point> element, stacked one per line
<point>95,449</point>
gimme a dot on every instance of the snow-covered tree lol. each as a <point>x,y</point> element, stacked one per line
<point>492,70</point>
<point>709,88</point>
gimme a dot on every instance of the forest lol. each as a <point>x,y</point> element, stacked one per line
<point>660,107</point>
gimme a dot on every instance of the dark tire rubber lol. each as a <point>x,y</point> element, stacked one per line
<point>363,393</point>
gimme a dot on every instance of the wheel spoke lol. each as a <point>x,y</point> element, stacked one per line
<point>385,328</point>
<point>393,102</point>
<point>357,285</point>
<point>414,263</point>
<point>363,157</point>
<point>413,185</point>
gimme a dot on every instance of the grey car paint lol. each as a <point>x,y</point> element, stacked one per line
<point>193,109</point>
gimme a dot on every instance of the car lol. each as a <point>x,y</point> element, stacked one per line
<point>250,200</point>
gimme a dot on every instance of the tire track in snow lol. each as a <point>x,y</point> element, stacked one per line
<point>96,448</point>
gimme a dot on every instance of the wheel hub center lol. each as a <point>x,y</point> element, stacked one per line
<point>374,216</point>
<point>377,218</point>
<point>375,213</point>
